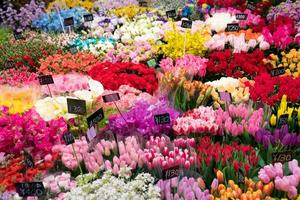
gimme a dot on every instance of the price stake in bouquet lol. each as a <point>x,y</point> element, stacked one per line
<point>186,24</point>
<point>283,119</point>
<point>277,71</point>
<point>113,98</point>
<point>9,64</point>
<point>92,120</point>
<point>234,27</point>
<point>241,16</point>
<point>46,80</point>
<point>18,35</point>
<point>69,22</point>
<point>143,4</point>
<point>171,14</point>
<point>172,172</point>
<point>88,17</point>
<point>162,119</point>
<point>282,157</point>
<point>26,189</point>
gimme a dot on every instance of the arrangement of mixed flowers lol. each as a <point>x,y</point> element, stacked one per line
<point>149,100</point>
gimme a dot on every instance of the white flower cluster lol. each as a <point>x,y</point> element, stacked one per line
<point>143,28</point>
<point>110,187</point>
<point>218,22</point>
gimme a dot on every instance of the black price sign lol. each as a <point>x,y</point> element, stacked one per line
<point>172,172</point>
<point>73,49</point>
<point>76,106</point>
<point>111,97</point>
<point>277,71</point>
<point>241,16</point>
<point>95,117</point>
<point>26,189</point>
<point>107,20</point>
<point>186,24</point>
<point>143,4</point>
<point>28,160</point>
<point>9,64</point>
<point>282,157</point>
<point>171,14</point>
<point>69,21</point>
<point>18,35</point>
<point>283,119</point>
<point>162,119</point>
<point>68,138</point>
<point>232,27</point>
<point>251,6</point>
<point>45,80</point>
<point>88,17</point>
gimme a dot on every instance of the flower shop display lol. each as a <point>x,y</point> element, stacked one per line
<point>170,100</point>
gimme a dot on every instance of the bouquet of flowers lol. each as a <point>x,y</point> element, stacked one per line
<point>271,89</point>
<point>140,119</point>
<point>23,18</point>
<point>54,21</point>
<point>198,121</point>
<point>29,130</point>
<point>143,28</point>
<point>138,52</point>
<point>113,75</point>
<point>64,63</point>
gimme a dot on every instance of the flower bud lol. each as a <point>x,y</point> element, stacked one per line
<point>220,176</point>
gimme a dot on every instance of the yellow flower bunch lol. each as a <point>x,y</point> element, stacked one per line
<point>130,11</point>
<point>282,110</point>
<point>253,191</point>
<point>193,42</point>
<point>290,61</point>
<point>65,4</point>
<point>18,100</point>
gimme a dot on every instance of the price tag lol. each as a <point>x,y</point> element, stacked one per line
<point>241,16</point>
<point>283,119</point>
<point>152,63</point>
<point>172,172</point>
<point>88,17</point>
<point>9,64</point>
<point>186,24</point>
<point>18,35</point>
<point>277,71</point>
<point>95,117</point>
<point>68,138</point>
<point>46,80</point>
<point>162,119</point>
<point>282,157</point>
<point>106,20</point>
<point>111,97</point>
<point>28,160</point>
<point>76,106</point>
<point>232,27</point>
<point>251,6</point>
<point>69,21</point>
<point>73,50</point>
<point>91,134</point>
<point>225,96</point>
<point>241,178</point>
<point>171,14</point>
<point>26,189</point>
<point>143,4</point>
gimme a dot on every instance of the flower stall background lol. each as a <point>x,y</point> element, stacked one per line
<point>148,100</point>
